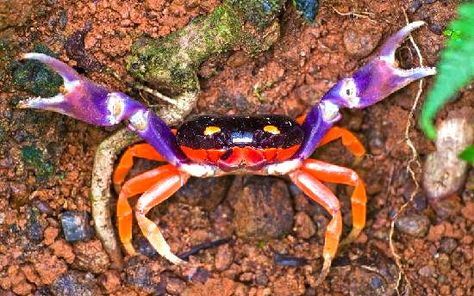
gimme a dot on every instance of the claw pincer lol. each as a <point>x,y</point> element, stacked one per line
<point>213,146</point>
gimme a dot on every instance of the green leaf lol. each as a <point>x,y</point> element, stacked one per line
<point>455,69</point>
<point>468,154</point>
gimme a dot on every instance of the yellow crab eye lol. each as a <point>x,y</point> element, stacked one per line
<point>271,129</point>
<point>212,129</point>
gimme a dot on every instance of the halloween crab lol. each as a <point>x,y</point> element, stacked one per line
<point>211,146</point>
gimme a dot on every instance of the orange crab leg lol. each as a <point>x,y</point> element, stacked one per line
<point>327,172</point>
<point>168,182</point>
<point>142,150</point>
<point>132,187</point>
<point>323,196</point>
<point>348,139</point>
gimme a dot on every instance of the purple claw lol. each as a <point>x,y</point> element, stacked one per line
<point>81,98</point>
<point>87,101</point>
<point>379,78</point>
<point>376,80</point>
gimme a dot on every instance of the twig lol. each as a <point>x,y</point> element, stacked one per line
<point>362,14</point>
<point>413,160</point>
<point>206,245</point>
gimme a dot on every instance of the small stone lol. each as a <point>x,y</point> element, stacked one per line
<point>261,279</point>
<point>34,229</point>
<point>246,277</point>
<point>468,211</point>
<point>42,206</point>
<point>200,276</point>
<point>361,43</point>
<point>111,281</point>
<point>76,226</point>
<point>304,225</point>
<point>140,276</point>
<point>447,207</point>
<point>90,256</point>
<point>175,286</point>
<point>426,271</point>
<point>448,245</point>
<point>436,28</point>
<point>224,257</point>
<point>74,283</point>
<point>48,267</point>
<point>444,173</point>
<point>63,250</point>
<point>222,218</point>
<point>262,207</point>
<point>414,6</point>
<point>443,262</point>
<point>50,234</point>
<point>22,288</point>
<point>436,232</point>
<point>415,225</point>
<point>376,282</point>
<point>145,248</point>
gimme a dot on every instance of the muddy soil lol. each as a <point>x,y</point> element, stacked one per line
<point>46,161</point>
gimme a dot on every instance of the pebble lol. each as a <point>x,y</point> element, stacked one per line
<point>285,260</point>
<point>443,262</point>
<point>448,245</point>
<point>90,256</point>
<point>76,226</point>
<point>262,207</point>
<point>414,6</point>
<point>74,283</point>
<point>376,282</point>
<point>224,257</point>
<point>34,229</point>
<point>144,247</point>
<point>63,250</point>
<point>42,206</point>
<point>413,224</point>
<point>426,271</point>
<point>361,43</point>
<point>468,211</point>
<point>447,207</point>
<point>444,173</point>
<point>304,225</point>
<point>141,277</point>
<point>200,276</point>
<point>49,267</point>
<point>175,286</point>
<point>111,281</point>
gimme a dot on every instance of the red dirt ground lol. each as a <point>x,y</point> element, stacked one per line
<point>287,79</point>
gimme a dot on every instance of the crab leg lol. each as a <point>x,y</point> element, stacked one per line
<point>376,80</point>
<point>323,196</point>
<point>349,140</point>
<point>327,172</point>
<point>132,187</point>
<point>87,101</point>
<point>167,184</point>
<point>142,150</point>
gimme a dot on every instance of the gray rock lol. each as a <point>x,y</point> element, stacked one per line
<point>76,226</point>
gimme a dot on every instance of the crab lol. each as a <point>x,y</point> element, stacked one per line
<point>212,146</point>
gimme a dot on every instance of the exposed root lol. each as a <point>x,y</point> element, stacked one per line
<point>362,14</point>
<point>101,196</point>
<point>414,160</point>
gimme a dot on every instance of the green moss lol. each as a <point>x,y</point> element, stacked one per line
<point>170,64</point>
<point>36,78</point>
<point>34,158</point>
